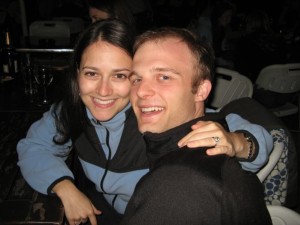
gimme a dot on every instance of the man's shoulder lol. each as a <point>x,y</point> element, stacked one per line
<point>218,117</point>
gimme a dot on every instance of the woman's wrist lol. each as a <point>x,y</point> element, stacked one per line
<point>248,150</point>
<point>63,188</point>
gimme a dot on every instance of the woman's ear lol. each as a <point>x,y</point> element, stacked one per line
<point>203,90</point>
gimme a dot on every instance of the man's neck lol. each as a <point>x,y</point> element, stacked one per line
<point>160,144</point>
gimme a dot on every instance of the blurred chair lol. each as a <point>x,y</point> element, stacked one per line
<point>280,181</point>
<point>281,78</point>
<point>274,175</point>
<point>76,24</point>
<point>278,148</point>
<point>281,215</point>
<point>47,34</point>
<point>229,85</point>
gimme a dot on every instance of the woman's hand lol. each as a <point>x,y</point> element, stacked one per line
<point>78,208</point>
<point>231,144</point>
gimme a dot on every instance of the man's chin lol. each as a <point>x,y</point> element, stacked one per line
<point>148,128</point>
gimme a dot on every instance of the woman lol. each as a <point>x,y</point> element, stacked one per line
<point>95,117</point>
<point>99,10</point>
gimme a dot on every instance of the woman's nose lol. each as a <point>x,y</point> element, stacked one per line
<point>104,88</point>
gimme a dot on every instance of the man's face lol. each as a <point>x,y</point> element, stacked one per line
<point>161,93</point>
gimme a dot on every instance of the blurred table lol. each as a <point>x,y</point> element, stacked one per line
<point>12,93</point>
<point>44,50</point>
<point>58,59</point>
<point>19,203</point>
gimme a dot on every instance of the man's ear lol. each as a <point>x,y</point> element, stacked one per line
<point>203,90</point>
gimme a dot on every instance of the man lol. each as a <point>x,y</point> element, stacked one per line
<point>171,80</point>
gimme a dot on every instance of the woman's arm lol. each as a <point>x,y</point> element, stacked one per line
<point>78,208</point>
<point>42,162</point>
<point>233,143</point>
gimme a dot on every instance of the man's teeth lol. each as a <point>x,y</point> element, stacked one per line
<point>104,102</point>
<point>152,109</point>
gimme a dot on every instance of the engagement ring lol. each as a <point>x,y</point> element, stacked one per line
<point>216,139</point>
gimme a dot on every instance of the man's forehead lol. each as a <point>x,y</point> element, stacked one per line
<point>171,45</point>
<point>163,40</point>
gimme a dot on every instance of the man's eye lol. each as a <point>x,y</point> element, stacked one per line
<point>135,81</point>
<point>164,77</point>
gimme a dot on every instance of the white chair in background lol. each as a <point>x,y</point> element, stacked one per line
<point>281,215</point>
<point>56,33</point>
<point>274,157</point>
<point>277,175</point>
<point>274,175</point>
<point>281,78</point>
<point>76,24</point>
<point>229,85</point>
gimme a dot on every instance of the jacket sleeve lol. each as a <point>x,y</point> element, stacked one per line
<point>243,197</point>
<point>42,162</point>
<point>262,136</point>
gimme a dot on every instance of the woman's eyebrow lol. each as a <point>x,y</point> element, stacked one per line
<point>122,69</point>
<point>115,70</point>
<point>89,67</point>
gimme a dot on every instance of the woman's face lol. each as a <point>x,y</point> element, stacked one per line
<point>96,14</point>
<point>225,18</point>
<point>103,79</point>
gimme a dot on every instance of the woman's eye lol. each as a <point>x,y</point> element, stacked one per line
<point>121,76</point>
<point>91,74</point>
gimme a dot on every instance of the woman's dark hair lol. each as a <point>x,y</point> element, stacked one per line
<point>70,113</point>
<point>258,21</point>
<point>219,8</point>
<point>115,9</point>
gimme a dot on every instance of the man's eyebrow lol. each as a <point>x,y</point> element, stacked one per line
<point>132,73</point>
<point>157,69</point>
<point>165,69</point>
